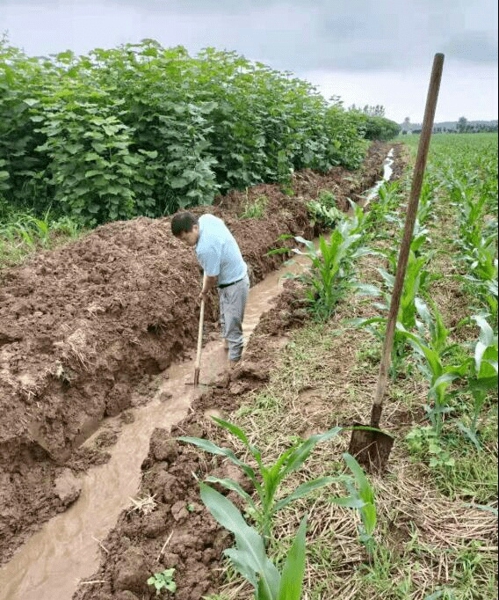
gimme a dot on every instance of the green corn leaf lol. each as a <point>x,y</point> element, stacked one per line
<point>237,431</point>
<point>212,448</point>
<point>444,380</point>
<point>300,454</point>
<point>249,556</point>
<point>369,518</point>
<point>361,322</point>
<point>307,243</point>
<point>350,502</point>
<point>470,434</point>
<point>294,568</point>
<point>232,485</point>
<point>305,489</point>
<point>365,489</point>
<point>364,289</point>
<point>431,356</point>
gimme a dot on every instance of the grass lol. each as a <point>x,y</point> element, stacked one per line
<point>254,209</point>
<point>22,235</point>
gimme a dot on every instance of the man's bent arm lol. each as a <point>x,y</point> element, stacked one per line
<point>209,283</point>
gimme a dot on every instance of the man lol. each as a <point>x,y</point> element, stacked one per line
<point>223,265</point>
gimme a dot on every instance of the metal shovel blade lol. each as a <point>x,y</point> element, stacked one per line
<point>371,447</point>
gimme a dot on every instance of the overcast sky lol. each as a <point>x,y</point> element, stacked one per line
<point>365,51</point>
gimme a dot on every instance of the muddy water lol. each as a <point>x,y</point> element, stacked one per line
<point>387,174</point>
<point>65,551</point>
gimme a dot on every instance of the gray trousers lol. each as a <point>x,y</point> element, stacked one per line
<point>232,305</point>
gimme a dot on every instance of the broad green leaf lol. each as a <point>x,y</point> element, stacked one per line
<point>230,484</point>
<point>294,568</point>
<point>250,556</point>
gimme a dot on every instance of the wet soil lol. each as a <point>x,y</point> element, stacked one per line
<point>85,329</point>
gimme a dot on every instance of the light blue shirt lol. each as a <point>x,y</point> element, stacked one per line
<point>218,252</point>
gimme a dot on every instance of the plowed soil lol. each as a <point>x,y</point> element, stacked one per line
<point>85,328</point>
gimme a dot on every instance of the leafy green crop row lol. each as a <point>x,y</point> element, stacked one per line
<point>460,194</point>
<point>143,130</point>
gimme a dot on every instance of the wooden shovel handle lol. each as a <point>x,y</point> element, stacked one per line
<point>412,210</point>
<point>200,335</point>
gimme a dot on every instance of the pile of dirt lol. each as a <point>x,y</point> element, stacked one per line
<point>82,326</point>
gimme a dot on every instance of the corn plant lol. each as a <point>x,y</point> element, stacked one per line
<point>439,375</point>
<point>266,480</point>
<point>362,499</point>
<point>332,267</point>
<point>383,209</point>
<point>249,555</point>
<point>431,325</point>
<point>482,377</point>
<point>416,280</point>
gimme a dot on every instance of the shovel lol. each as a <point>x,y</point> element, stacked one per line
<point>368,443</point>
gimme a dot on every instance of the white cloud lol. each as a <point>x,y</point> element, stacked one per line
<point>464,90</point>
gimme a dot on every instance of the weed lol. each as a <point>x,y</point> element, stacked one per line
<point>163,581</point>
<point>255,209</point>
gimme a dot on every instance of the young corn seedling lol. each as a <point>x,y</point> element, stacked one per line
<point>416,280</point>
<point>267,480</point>
<point>249,555</point>
<point>483,377</point>
<point>439,375</point>
<point>431,325</point>
<point>332,266</point>
<point>362,499</point>
<point>382,210</point>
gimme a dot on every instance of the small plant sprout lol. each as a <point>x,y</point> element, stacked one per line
<point>163,581</point>
<point>255,209</point>
<point>362,499</point>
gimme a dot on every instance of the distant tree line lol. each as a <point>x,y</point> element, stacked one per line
<point>460,126</point>
<point>372,121</point>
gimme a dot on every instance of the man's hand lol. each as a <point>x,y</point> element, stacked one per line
<point>208,284</point>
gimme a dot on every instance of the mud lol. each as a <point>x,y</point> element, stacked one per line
<point>84,331</point>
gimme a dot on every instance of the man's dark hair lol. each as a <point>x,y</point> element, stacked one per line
<point>183,222</point>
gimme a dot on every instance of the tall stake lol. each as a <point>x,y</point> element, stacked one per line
<point>412,210</point>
